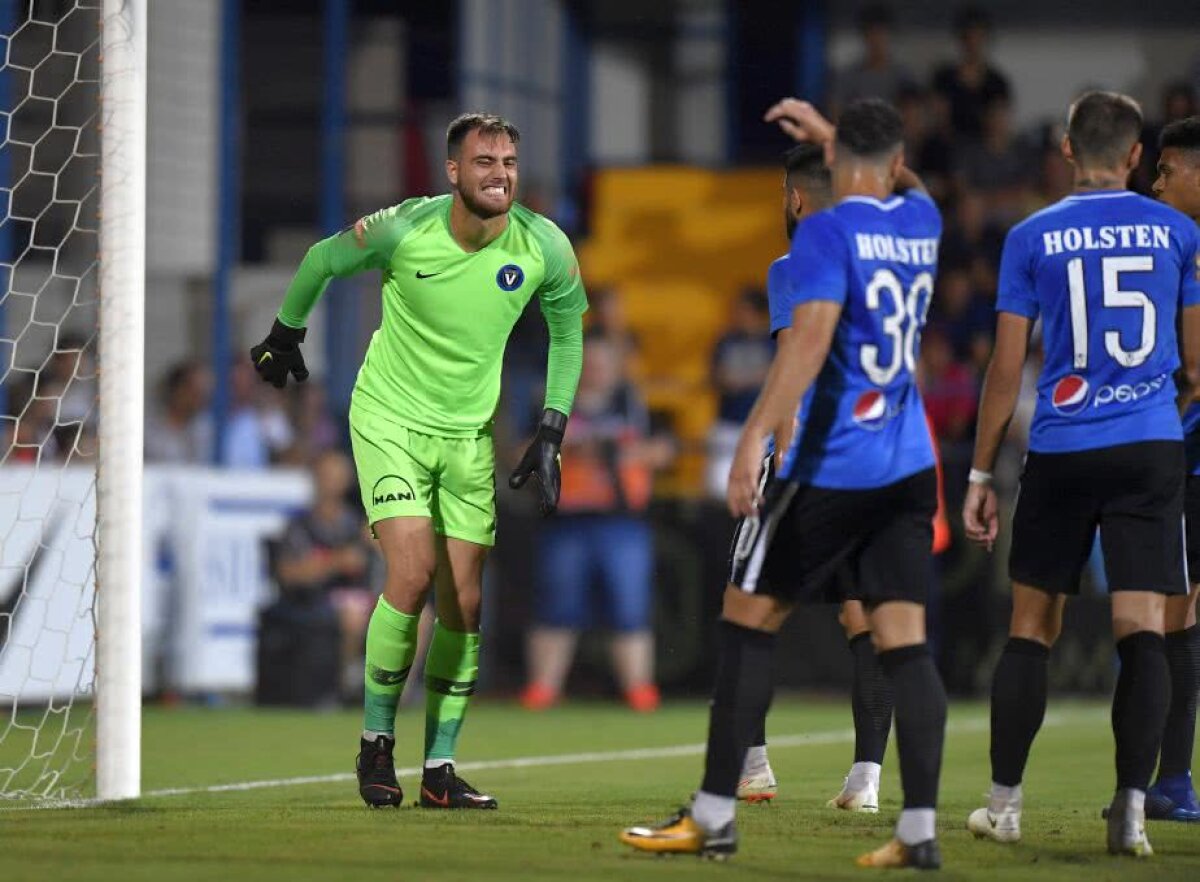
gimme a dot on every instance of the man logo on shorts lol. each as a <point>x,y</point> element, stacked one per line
<point>391,488</point>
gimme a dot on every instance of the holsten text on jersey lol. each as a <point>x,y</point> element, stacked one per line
<point>1106,238</point>
<point>880,246</point>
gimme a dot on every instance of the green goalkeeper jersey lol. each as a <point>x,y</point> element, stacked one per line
<point>434,363</point>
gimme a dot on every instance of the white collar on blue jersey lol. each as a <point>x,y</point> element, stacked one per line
<point>894,202</point>
<point>1101,194</point>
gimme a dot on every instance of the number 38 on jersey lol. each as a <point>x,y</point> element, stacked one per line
<point>902,315</point>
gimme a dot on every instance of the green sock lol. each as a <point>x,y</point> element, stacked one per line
<point>391,647</point>
<point>450,672</point>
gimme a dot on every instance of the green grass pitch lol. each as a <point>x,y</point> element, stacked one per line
<point>560,821</point>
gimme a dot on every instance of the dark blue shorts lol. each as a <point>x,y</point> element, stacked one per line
<point>595,569</point>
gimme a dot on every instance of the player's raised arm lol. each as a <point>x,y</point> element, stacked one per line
<point>367,245</point>
<point>801,121</point>
<point>563,302</point>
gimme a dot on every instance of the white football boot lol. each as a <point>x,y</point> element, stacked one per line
<point>860,791</point>
<point>1127,824</point>
<point>757,781</point>
<point>1000,820</point>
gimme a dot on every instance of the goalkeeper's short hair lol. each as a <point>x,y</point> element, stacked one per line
<point>485,123</point>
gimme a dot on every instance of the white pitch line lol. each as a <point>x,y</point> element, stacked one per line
<point>837,736</point>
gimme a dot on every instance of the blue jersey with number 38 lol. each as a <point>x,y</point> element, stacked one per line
<point>1107,272</point>
<point>862,424</point>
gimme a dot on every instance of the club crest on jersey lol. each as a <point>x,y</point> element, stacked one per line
<point>510,277</point>
<point>871,410</point>
<point>1070,395</point>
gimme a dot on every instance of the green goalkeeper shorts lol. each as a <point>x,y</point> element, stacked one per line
<point>406,473</point>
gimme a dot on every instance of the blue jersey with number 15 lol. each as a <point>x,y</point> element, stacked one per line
<point>1108,272</point>
<point>862,424</point>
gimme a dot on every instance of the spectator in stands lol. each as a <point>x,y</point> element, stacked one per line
<point>929,139</point>
<point>740,363</point>
<point>1179,101</point>
<point>606,314</point>
<point>970,83</point>
<point>71,372</point>
<point>1054,180</point>
<point>181,432</point>
<point>33,438</point>
<point>73,366</point>
<point>998,164</point>
<point>875,74</point>
<point>948,388</point>
<point>257,430</point>
<point>600,538</point>
<point>972,232</point>
<point>965,318</point>
<point>314,428</point>
<point>325,556</point>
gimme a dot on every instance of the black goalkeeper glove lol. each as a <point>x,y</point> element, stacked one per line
<point>542,461</point>
<point>278,355</point>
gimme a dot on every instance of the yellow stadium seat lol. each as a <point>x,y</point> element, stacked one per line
<point>678,245</point>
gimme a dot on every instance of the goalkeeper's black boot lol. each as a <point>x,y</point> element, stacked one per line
<point>376,769</point>
<point>441,788</point>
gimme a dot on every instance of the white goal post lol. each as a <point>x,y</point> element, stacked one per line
<point>122,397</point>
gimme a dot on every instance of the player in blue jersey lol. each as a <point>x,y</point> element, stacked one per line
<point>1172,798</point>
<point>807,188</point>
<point>856,487</point>
<point>1108,272</point>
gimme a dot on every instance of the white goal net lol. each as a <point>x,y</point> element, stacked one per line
<point>51,114</point>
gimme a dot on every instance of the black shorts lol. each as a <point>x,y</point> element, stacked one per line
<point>1132,492</point>
<point>809,544</point>
<point>1191,516</point>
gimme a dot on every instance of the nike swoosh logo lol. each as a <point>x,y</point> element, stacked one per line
<point>421,275</point>
<point>649,832</point>
<point>443,801</point>
<point>266,356</point>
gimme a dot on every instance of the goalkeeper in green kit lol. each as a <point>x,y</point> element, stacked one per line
<point>457,272</point>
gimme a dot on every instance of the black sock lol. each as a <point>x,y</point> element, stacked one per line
<point>1139,709</point>
<point>871,701</point>
<point>759,738</point>
<point>1018,707</point>
<point>741,698</point>
<point>920,721</point>
<point>1183,657</point>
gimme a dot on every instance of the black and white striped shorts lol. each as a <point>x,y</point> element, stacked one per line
<point>811,544</point>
